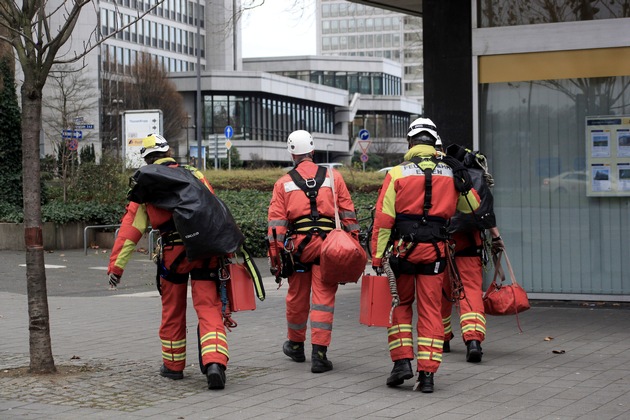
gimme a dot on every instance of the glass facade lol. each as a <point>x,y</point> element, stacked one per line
<point>493,13</point>
<point>381,125</point>
<point>534,136</point>
<point>264,117</point>
<point>160,35</point>
<point>351,29</point>
<point>361,82</point>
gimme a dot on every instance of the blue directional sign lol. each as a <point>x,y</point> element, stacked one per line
<point>364,134</point>
<point>72,134</point>
<point>229,131</point>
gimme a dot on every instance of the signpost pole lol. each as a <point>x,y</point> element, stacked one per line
<point>216,151</point>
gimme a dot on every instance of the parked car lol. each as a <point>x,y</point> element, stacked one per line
<point>566,182</point>
<point>331,165</point>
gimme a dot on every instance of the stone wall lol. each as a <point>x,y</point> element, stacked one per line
<point>60,237</point>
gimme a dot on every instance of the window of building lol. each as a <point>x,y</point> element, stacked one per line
<point>325,10</point>
<point>495,13</point>
<point>532,132</point>
<point>325,27</point>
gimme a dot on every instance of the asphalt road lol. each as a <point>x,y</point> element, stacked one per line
<point>72,273</point>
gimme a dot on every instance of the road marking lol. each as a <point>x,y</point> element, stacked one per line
<point>48,266</point>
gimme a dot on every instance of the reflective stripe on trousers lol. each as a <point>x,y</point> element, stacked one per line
<point>298,307</point>
<point>427,293</point>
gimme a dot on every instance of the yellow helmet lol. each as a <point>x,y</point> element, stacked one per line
<point>153,143</point>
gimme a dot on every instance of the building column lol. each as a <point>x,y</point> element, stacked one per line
<point>447,51</point>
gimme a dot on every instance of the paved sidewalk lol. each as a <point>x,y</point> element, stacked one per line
<point>113,337</point>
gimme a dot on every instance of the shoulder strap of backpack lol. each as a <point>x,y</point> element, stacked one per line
<point>310,187</point>
<point>426,165</point>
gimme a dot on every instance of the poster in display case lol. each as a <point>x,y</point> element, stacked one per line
<point>608,156</point>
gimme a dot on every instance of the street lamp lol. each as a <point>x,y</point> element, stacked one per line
<point>327,146</point>
<point>117,103</point>
<point>188,126</point>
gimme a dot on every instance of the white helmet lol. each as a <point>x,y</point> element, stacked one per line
<point>153,143</point>
<point>300,142</point>
<point>420,125</point>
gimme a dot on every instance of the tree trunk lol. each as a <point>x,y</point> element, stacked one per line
<point>39,323</point>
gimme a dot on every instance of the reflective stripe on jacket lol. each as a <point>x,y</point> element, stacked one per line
<point>289,203</point>
<point>402,193</point>
<point>135,222</point>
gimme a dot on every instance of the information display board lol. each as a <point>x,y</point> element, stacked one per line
<point>608,156</point>
<point>137,124</point>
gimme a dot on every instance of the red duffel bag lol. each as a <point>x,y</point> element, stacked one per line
<point>342,258</point>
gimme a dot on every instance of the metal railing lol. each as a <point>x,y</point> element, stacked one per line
<point>85,233</point>
<point>152,234</point>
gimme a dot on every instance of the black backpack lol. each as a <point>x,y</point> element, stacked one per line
<point>203,221</point>
<point>483,217</point>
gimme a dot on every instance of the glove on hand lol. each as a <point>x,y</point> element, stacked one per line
<point>114,280</point>
<point>497,245</point>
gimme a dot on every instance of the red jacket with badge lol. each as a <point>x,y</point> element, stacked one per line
<point>289,204</point>
<point>402,195</point>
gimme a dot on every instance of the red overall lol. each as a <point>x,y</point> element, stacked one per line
<point>213,342</point>
<point>471,314</point>
<point>403,196</point>
<point>289,204</point>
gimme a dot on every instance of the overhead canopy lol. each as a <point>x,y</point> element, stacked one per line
<point>409,7</point>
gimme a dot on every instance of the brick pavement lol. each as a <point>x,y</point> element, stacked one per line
<point>114,336</point>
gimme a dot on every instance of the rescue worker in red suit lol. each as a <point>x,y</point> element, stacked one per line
<point>297,227</point>
<point>174,274</point>
<point>414,204</point>
<point>468,235</point>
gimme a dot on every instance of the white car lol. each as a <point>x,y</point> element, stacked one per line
<point>566,182</point>
<point>331,165</point>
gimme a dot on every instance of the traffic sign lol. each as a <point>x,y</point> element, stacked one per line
<point>85,126</point>
<point>364,145</point>
<point>72,134</point>
<point>364,158</point>
<point>73,144</point>
<point>229,132</point>
<point>228,144</point>
<point>364,134</point>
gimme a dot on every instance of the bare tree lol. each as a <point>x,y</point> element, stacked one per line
<point>38,31</point>
<point>151,89</point>
<point>71,95</point>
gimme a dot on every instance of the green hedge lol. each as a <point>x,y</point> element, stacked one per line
<point>97,198</point>
<point>249,209</point>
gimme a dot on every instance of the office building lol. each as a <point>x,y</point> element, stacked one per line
<point>358,30</point>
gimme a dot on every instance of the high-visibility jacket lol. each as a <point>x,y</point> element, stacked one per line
<point>290,204</point>
<point>403,196</point>
<point>135,222</point>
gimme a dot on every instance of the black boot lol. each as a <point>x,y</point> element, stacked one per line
<point>473,351</point>
<point>401,371</point>
<point>446,348</point>
<point>319,362</point>
<point>216,376</point>
<point>294,350</point>
<point>171,374</point>
<point>425,382</point>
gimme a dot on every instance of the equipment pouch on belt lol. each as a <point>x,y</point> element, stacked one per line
<point>418,231</point>
<point>402,266</point>
<point>287,264</point>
